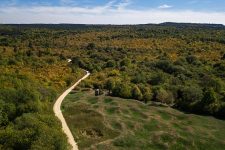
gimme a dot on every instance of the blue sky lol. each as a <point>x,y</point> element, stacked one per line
<point>198,5</point>
<point>119,11</point>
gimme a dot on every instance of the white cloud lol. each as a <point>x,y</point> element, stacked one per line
<point>123,4</point>
<point>165,6</point>
<point>107,14</point>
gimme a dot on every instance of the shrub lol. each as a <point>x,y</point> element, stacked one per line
<point>69,80</point>
<point>139,78</point>
<point>188,97</point>
<point>122,90</point>
<point>51,60</point>
<point>181,61</point>
<point>169,67</point>
<point>12,61</point>
<point>164,65</point>
<point>114,73</point>
<point>3,115</point>
<point>74,68</point>
<point>136,93</point>
<point>125,62</point>
<point>157,79</point>
<point>47,94</point>
<point>209,102</point>
<point>91,46</point>
<point>26,94</point>
<point>86,84</point>
<point>221,111</point>
<point>147,97</point>
<point>110,64</point>
<point>110,85</point>
<point>223,57</point>
<point>211,82</point>
<point>147,93</point>
<point>193,60</point>
<point>163,96</point>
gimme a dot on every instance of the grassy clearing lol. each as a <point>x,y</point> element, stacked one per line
<point>112,123</point>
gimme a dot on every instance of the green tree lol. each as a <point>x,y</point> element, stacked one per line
<point>147,94</point>
<point>139,78</point>
<point>15,49</point>
<point>147,97</point>
<point>110,64</point>
<point>136,93</point>
<point>221,111</point>
<point>188,96</point>
<point>163,96</point>
<point>125,91</point>
<point>158,79</point>
<point>209,102</point>
<point>3,115</point>
<point>110,85</point>
<point>91,46</point>
<point>122,90</point>
<point>125,62</point>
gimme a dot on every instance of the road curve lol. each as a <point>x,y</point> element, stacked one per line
<point>58,113</point>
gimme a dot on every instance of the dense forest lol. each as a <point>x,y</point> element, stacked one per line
<point>182,66</point>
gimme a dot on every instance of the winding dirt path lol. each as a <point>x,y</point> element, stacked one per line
<point>58,113</point>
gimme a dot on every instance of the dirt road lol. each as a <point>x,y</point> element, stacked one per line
<point>59,114</point>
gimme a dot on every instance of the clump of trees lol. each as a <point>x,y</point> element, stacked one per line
<point>23,117</point>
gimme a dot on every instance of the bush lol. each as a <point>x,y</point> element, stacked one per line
<point>125,62</point>
<point>110,64</point>
<point>221,111</point>
<point>74,68</point>
<point>147,97</point>
<point>158,79</point>
<point>139,78</point>
<point>122,90</point>
<point>10,110</point>
<point>12,61</point>
<point>3,115</point>
<point>47,94</point>
<point>51,60</point>
<point>114,73</point>
<point>110,85</point>
<point>211,82</point>
<point>188,97</point>
<point>86,84</point>
<point>223,57</point>
<point>181,61</point>
<point>91,46</point>
<point>164,65</point>
<point>27,94</point>
<point>169,67</point>
<point>163,96</point>
<point>147,93</point>
<point>193,60</point>
<point>209,102</point>
<point>136,93</point>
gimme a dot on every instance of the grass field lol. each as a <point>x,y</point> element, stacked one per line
<point>108,123</point>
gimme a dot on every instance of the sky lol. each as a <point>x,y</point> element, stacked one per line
<point>112,11</point>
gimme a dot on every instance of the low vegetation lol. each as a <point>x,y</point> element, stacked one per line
<point>113,123</point>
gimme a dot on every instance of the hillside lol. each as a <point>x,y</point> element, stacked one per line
<point>113,123</point>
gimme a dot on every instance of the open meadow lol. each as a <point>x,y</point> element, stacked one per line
<point>109,123</point>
